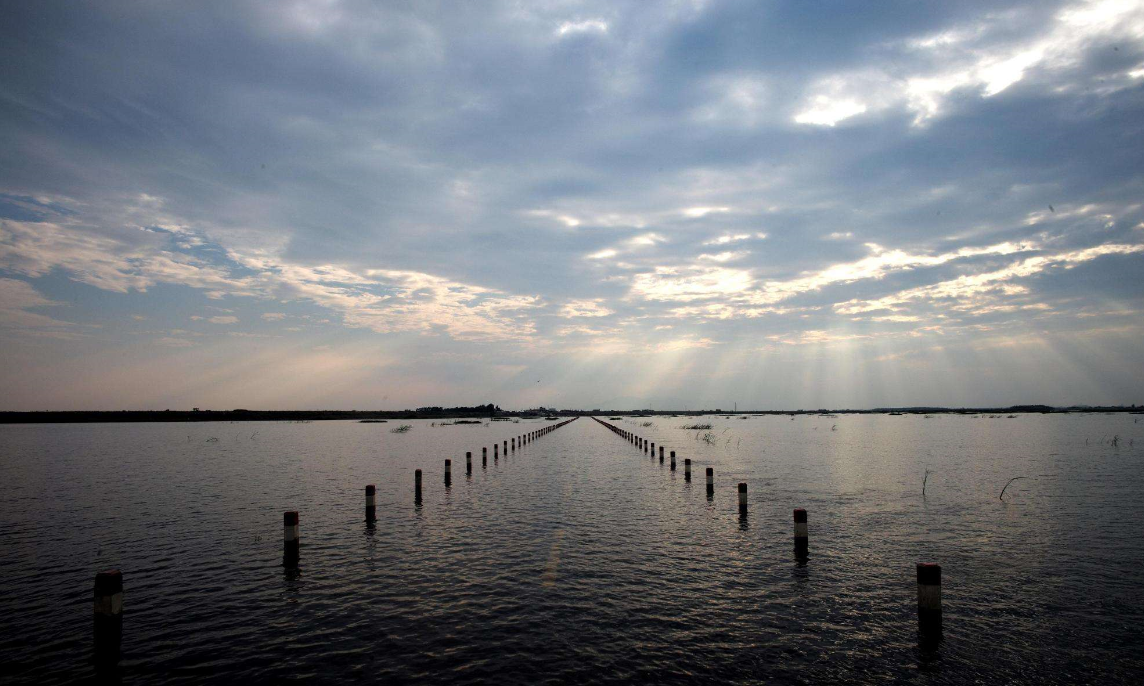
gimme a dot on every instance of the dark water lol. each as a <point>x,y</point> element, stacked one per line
<point>578,559</point>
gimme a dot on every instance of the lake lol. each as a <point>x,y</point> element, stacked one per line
<point>578,558</point>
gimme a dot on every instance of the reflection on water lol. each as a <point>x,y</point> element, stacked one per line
<point>580,559</point>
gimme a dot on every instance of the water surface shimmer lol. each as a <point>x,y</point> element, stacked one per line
<point>578,559</point>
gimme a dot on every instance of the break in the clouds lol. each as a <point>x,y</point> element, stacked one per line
<point>344,204</point>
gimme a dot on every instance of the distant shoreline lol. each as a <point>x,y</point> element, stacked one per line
<point>77,416</point>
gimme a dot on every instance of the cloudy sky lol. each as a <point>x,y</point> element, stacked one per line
<point>336,204</point>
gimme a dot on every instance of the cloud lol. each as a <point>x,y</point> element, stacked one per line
<point>725,256</point>
<point>585,308</point>
<point>827,111</point>
<point>727,238</point>
<point>107,262</point>
<point>974,292</point>
<point>690,283</point>
<point>379,299</point>
<point>539,186</point>
<point>582,26</point>
<point>699,212</point>
<point>16,299</point>
<point>964,58</point>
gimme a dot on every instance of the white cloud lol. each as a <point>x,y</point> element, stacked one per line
<point>728,238</point>
<point>960,58</point>
<point>826,111</point>
<point>646,239</point>
<point>37,248</point>
<point>726,256</point>
<point>690,283</point>
<point>585,308</point>
<point>967,290</point>
<point>413,302</point>
<point>16,298</point>
<point>582,26</point>
<point>698,212</point>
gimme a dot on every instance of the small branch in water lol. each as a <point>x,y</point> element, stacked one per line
<point>1002,496</point>
<point>924,480</point>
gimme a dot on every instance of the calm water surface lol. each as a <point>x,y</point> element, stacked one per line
<point>578,559</point>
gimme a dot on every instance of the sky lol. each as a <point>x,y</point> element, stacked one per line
<point>670,205</point>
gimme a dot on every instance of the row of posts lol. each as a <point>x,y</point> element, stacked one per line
<point>928,573</point>
<point>108,624</point>
<point>109,585</point>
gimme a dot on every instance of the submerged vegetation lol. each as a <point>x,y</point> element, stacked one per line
<point>404,428</point>
<point>696,427</point>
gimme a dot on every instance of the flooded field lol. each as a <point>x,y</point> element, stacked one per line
<point>578,558</point>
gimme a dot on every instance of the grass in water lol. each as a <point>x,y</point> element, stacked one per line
<point>404,428</point>
<point>696,427</point>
